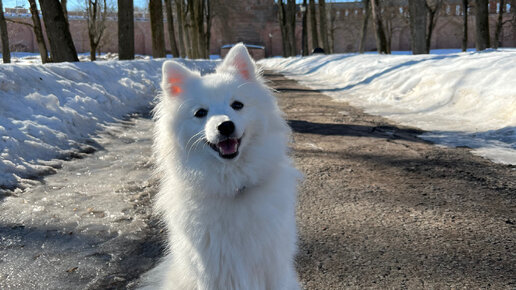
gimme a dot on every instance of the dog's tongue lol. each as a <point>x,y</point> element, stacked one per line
<point>227,147</point>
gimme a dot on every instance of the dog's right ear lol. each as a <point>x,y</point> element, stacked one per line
<point>174,78</point>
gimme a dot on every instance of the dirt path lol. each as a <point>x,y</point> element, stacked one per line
<point>381,208</point>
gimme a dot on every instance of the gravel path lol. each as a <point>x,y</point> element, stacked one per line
<point>379,208</point>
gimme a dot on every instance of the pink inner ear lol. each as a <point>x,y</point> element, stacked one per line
<point>242,68</point>
<point>175,85</point>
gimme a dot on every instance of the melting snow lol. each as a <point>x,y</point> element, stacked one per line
<point>462,99</point>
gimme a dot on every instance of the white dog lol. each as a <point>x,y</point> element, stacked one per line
<point>228,189</point>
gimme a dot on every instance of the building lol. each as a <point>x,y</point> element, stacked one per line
<point>255,22</point>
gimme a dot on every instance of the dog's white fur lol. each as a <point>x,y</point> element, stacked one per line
<point>230,222</point>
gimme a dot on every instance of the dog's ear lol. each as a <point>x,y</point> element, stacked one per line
<point>239,61</point>
<point>174,77</point>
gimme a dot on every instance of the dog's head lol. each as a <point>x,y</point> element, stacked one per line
<point>227,117</point>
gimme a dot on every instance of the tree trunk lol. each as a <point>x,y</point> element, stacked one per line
<point>417,11</point>
<point>283,28</point>
<point>304,33</point>
<point>157,30</point>
<point>199,25</point>
<point>171,30</point>
<point>499,25</point>
<point>465,7</point>
<point>58,32</point>
<point>482,24</point>
<point>381,41</point>
<point>65,9</point>
<point>291,26</point>
<point>193,29</point>
<point>180,24</point>
<point>363,34</point>
<point>125,29</point>
<point>6,53</point>
<point>207,34</point>
<point>313,25</point>
<point>432,17</point>
<point>38,31</point>
<point>323,27</point>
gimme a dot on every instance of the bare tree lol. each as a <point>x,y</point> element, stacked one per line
<point>481,24</point>
<point>180,27</point>
<point>58,32</point>
<point>207,34</point>
<point>38,31</point>
<point>418,17</point>
<point>304,32</point>
<point>465,11</point>
<point>365,21</point>
<point>282,19</point>
<point>125,29</point>
<point>433,7</point>
<point>171,30</point>
<point>6,54</point>
<point>323,26</point>
<point>497,42</point>
<point>381,41</point>
<point>333,14</point>
<point>96,15</point>
<point>291,26</point>
<point>313,25</point>
<point>157,30</point>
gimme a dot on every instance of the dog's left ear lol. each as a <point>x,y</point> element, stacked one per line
<point>239,61</point>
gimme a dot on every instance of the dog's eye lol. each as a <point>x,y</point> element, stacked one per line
<point>201,113</point>
<point>237,105</point>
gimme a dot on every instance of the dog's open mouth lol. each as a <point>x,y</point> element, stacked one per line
<point>227,148</point>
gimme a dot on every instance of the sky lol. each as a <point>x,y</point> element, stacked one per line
<point>76,4</point>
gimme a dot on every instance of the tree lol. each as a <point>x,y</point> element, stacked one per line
<point>58,32</point>
<point>171,30</point>
<point>304,32</point>
<point>323,27</point>
<point>201,24</point>
<point>181,24</point>
<point>96,15</point>
<point>381,41</point>
<point>363,33</point>
<point>465,10</point>
<point>157,30</point>
<point>282,19</point>
<point>291,26</point>
<point>418,17</point>
<point>125,29</point>
<point>481,25</point>
<point>499,25</point>
<point>432,10</point>
<point>38,31</point>
<point>313,25</point>
<point>65,9</point>
<point>6,54</point>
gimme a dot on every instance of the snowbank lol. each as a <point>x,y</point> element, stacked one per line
<point>462,99</point>
<point>50,111</point>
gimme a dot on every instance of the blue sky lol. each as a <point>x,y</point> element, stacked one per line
<point>76,4</point>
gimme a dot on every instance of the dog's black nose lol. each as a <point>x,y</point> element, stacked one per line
<point>226,128</point>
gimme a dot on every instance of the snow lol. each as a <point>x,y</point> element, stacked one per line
<point>461,99</point>
<point>52,111</point>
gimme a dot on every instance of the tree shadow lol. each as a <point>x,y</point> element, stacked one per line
<point>384,132</point>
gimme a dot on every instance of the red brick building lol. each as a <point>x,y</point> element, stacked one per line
<point>255,22</point>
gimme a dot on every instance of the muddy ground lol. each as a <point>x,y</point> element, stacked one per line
<point>381,208</point>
